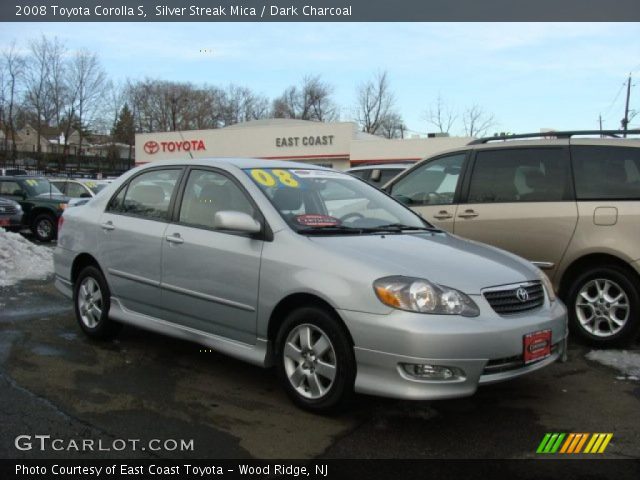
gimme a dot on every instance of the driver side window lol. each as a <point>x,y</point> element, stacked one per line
<point>433,183</point>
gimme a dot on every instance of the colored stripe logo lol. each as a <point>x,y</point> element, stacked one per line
<point>573,443</point>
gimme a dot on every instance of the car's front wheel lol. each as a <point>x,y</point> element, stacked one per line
<point>604,306</point>
<point>44,227</point>
<point>315,360</point>
<point>91,299</point>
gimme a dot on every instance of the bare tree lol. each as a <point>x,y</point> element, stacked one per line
<point>240,104</point>
<point>12,71</point>
<point>476,121</point>
<point>311,101</point>
<point>392,126</point>
<point>88,82</point>
<point>441,116</point>
<point>37,74</point>
<point>375,103</point>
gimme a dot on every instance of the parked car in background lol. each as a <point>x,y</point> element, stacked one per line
<point>10,214</point>
<point>569,204</point>
<point>77,188</point>
<point>379,174</point>
<point>41,202</point>
<point>248,257</point>
<point>12,171</point>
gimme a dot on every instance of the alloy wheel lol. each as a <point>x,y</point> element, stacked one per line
<point>90,302</point>
<point>310,361</point>
<point>602,307</point>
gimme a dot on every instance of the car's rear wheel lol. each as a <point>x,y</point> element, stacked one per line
<point>44,227</point>
<point>315,360</point>
<point>604,306</point>
<point>91,299</point>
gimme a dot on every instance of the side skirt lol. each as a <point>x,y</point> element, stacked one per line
<point>255,354</point>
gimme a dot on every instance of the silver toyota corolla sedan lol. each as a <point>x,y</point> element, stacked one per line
<point>314,271</point>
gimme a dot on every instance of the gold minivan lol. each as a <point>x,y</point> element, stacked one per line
<point>569,204</point>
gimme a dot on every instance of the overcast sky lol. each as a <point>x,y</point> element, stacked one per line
<point>529,75</point>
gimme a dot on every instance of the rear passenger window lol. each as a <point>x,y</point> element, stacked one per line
<point>148,195</point>
<point>520,175</point>
<point>606,172</point>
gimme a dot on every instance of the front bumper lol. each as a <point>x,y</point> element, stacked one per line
<point>11,222</point>
<point>486,349</point>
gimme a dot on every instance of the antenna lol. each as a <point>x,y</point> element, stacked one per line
<point>182,138</point>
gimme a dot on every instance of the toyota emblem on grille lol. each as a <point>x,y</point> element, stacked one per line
<point>522,294</point>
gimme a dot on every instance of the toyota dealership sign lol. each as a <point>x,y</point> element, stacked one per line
<point>152,147</point>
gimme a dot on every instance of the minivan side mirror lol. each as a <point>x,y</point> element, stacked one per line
<point>236,222</point>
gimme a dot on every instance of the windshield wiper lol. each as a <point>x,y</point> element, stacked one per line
<point>329,229</point>
<point>398,227</point>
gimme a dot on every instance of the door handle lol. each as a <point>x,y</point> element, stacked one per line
<point>175,238</point>
<point>442,215</point>
<point>468,214</point>
<point>108,226</point>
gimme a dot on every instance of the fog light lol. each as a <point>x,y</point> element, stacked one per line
<point>432,372</point>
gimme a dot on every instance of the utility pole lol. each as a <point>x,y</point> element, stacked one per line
<point>625,120</point>
<point>600,122</point>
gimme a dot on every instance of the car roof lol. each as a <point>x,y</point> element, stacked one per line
<point>22,177</point>
<point>236,162</point>
<point>381,166</point>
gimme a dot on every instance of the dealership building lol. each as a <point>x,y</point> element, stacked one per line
<point>338,145</point>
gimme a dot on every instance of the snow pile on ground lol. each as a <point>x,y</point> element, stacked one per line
<point>22,260</point>
<point>626,362</point>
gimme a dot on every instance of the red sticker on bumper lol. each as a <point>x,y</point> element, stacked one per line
<point>537,345</point>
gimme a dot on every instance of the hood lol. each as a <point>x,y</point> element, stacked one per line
<point>55,197</point>
<point>438,257</point>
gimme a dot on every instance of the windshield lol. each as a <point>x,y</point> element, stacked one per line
<point>312,200</point>
<point>40,186</point>
<point>94,186</point>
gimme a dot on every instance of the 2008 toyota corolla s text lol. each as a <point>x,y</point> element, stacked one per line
<point>339,286</point>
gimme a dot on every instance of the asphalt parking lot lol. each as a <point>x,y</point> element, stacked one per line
<point>55,381</point>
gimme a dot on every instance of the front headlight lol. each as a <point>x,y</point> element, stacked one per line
<point>422,296</point>
<point>547,286</point>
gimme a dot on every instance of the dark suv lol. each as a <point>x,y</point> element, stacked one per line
<point>568,203</point>
<point>41,201</point>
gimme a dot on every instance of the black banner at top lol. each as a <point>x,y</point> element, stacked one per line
<point>318,10</point>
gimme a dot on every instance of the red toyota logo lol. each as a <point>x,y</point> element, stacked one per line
<point>151,147</point>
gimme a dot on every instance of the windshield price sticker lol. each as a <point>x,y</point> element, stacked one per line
<point>32,183</point>
<point>316,220</point>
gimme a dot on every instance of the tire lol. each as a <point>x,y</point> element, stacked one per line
<point>600,322</point>
<point>91,302</point>
<point>44,227</point>
<point>305,373</point>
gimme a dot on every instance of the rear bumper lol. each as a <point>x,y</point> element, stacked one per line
<point>482,350</point>
<point>62,263</point>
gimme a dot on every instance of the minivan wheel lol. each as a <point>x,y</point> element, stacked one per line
<point>315,360</point>
<point>44,227</point>
<point>603,305</point>
<point>91,300</point>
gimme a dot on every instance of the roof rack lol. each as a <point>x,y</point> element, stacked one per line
<point>557,135</point>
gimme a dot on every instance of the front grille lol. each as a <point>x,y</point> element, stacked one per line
<point>8,209</point>
<point>512,300</point>
<point>516,362</point>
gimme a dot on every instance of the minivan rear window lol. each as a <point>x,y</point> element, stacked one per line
<point>606,172</point>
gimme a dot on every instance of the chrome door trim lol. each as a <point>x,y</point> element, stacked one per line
<point>204,296</point>
<point>544,265</point>
<point>135,278</point>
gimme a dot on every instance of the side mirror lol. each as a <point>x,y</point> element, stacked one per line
<point>20,193</point>
<point>236,222</point>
